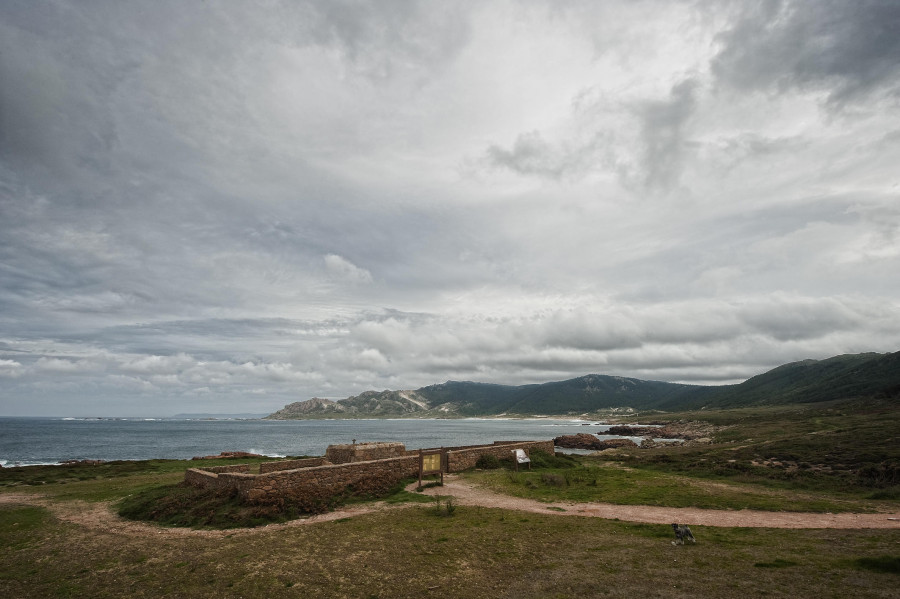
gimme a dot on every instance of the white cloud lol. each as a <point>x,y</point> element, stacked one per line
<point>10,369</point>
<point>346,270</point>
<point>321,198</point>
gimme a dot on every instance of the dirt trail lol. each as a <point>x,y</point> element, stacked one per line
<point>467,494</point>
<point>100,516</point>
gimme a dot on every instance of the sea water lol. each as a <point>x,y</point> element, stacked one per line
<point>31,441</point>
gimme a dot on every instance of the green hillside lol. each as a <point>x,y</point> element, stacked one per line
<point>846,376</point>
<point>807,381</point>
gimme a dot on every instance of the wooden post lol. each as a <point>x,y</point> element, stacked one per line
<point>421,466</point>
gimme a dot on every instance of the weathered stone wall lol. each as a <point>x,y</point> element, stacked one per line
<point>313,488</point>
<point>232,468</point>
<point>266,467</point>
<point>200,478</point>
<point>463,459</point>
<point>205,479</point>
<point>363,452</point>
<point>313,483</point>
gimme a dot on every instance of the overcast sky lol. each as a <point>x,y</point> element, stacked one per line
<point>212,206</point>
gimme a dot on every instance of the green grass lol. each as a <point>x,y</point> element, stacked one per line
<point>883,563</point>
<point>849,448</point>
<point>186,506</point>
<point>601,481</point>
<point>470,552</point>
<point>103,482</point>
<point>414,552</point>
<point>183,505</point>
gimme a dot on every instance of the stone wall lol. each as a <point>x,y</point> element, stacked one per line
<point>463,459</point>
<point>245,468</point>
<point>266,467</point>
<point>220,481</point>
<point>363,452</point>
<point>313,487</point>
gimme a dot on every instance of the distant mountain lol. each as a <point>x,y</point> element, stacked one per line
<point>854,375</point>
<point>466,399</point>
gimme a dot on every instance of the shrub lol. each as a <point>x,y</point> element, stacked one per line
<point>882,475</point>
<point>888,493</point>
<point>449,507</point>
<point>183,505</point>
<point>487,461</point>
<point>542,459</point>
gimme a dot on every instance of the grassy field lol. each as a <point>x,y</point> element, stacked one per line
<point>611,482</point>
<point>416,550</point>
<point>849,448</point>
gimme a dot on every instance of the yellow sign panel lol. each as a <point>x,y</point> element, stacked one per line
<point>431,462</point>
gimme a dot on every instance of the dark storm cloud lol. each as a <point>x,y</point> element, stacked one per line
<point>850,50</point>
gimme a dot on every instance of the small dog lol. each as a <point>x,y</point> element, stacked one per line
<point>682,533</point>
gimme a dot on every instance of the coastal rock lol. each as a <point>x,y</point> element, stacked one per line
<point>687,430</point>
<point>700,441</point>
<point>578,441</point>
<point>649,443</point>
<point>680,429</point>
<point>587,441</point>
<point>82,462</point>
<point>616,444</point>
<point>625,430</point>
<point>229,454</point>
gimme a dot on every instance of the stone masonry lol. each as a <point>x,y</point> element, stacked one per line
<point>363,452</point>
<point>312,484</point>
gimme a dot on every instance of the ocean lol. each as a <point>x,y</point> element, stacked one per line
<point>33,441</point>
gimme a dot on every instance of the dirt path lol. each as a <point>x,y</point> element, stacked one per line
<point>467,494</point>
<point>100,516</point>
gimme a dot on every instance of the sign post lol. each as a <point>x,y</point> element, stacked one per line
<point>431,462</point>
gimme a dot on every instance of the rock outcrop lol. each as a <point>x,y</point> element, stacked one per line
<point>578,441</point>
<point>586,441</point>
<point>617,444</point>
<point>626,430</point>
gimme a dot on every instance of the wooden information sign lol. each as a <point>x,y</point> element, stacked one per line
<point>431,462</point>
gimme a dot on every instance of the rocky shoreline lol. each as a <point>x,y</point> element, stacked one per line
<point>683,432</point>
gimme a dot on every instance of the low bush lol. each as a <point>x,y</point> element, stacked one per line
<point>542,459</point>
<point>444,506</point>
<point>881,475</point>
<point>488,462</point>
<point>184,505</point>
<point>888,493</point>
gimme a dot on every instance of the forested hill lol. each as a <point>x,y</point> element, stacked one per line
<point>853,375</point>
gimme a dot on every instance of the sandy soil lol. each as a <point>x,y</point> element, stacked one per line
<point>101,516</point>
